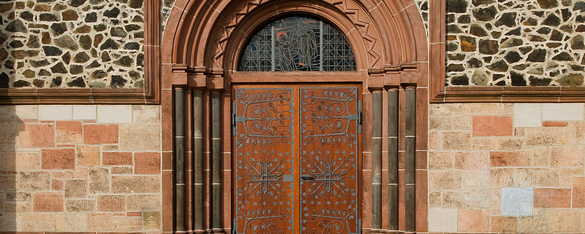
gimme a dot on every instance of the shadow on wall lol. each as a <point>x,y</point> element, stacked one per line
<point>11,200</point>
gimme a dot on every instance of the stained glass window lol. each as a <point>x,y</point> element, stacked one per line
<point>298,43</point>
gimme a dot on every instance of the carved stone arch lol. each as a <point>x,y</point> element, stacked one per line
<point>391,32</point>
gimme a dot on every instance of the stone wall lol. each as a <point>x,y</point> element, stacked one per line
<point>71,44</point>
<point>507,168</point>
<point>515,43</point>
<point>80,168</point>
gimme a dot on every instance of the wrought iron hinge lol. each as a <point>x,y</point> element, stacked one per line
<point>359,107</point>
<point>233,119</point>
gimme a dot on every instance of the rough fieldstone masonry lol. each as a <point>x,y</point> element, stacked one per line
<point>515,43</point>
<point>71,44</point>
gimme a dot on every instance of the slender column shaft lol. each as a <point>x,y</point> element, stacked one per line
<point>409,163</point>
<point>393,159</point>
<point>377,160</point>
<point>216,162</point>
<point>198,161</point>
<point>179,160</point>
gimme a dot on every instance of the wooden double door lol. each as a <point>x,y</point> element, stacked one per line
<point>297,161</point>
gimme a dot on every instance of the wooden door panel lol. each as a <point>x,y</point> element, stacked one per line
<point>329,158</point>
<point>269,124</point>
<point>264,161</point>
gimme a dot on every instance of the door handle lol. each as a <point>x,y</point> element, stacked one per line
<point>305,178</point>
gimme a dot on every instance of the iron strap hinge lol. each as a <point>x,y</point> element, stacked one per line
<point>233,119</point>
<point>359,110</point>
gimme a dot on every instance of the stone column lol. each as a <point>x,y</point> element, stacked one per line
<point>377,159</point>
<point>393,159</point>
<point>198,161</point>
<point>179,160</point>
<point>410,159</point>
<point>216,198</point>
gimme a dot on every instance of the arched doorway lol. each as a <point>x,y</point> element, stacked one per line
<point>201,77</point>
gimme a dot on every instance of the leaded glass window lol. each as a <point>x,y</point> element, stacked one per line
<point>298,43</point>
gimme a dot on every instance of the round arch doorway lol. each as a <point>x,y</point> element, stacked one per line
<point>297,158</point>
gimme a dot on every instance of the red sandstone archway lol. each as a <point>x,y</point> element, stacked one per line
<point>203,40</point>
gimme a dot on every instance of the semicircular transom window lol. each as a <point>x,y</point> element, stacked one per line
<point>298,43</point>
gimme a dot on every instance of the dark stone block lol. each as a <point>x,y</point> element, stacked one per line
<point>485,14</point>
<point>457,6</point>
<point>577,43</point>
<point>512,57</point>
<point>118,32</point>
<point>70,15</point>
<point>566,14</point>
<point>530,22</point>
<point>58,28</point>
<point>580,28</point>
<point>576,67</point>
<point>109,44</point>
<point>140,60</point>
<point>535,81</point>
<point>9,64</point>
<point>125,61</point>
<point>56,82</point>
<point>482,2</point>
<point>39,63</point>
<point>452,47</point>
<point>49,17</point>
<point>464,19</point>
<point>580,19</point>
<point>474,63</point>
<point>20,84</point>
<point>499,66</point>
<point>16,26</point>
<point>95,2</point>
<point>33,42</point>
<point>139,35</point>
<point>501,83</point>
<point>514,32</point>
<point>556,36</point>
<point>517,79</point>
<point>76,3</point>
<point>487,59</point>
<point>66,58</point>
<point>136,4</point>
<point>79,82</point>
<point>508,19</point>
<point>579,6</point>
<point>457,57</point>
<point>98,74</point>
<point>552,20</point>
<point>452,28</point>
<point>138,19</point>
<point>44,72</point>
<point>93,64</point>
<point>544,30</point>
<point>16,44</point>
<point>477,31</point>
<point>59,68</point>
<point>538,55</point>
<point>455,68</point>
<point>460,80</point>
<point>4,80</point>
<point>567,28</point>
<point>3,54</point>
<point>488,46</point>
<point>468,44</point>
<point>52,51</point>
<point>99,27</point>
<point>85,42</point>
<point>39,83</point>
<point>497,76</point>
<point>81,57</point>
<point>567,2</point>
<point>135,75</point>
<point>83,29</point>
<point>26,15</point>
<point>112,13</point>
<point>118,82</point>
<point>547,4</point>
<point>563,56</point>
<point>67,42</point>
<point>572,80</point>
<point>132,27</point>
<point>29,73</point>
<point>536,38</point>
<point>132,46</point>
<point>91,17</point>
<point>520,67</point>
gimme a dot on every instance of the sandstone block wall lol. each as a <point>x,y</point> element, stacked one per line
<point>506,168</point>
<point>70,168</point>
<point>71,44</point>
